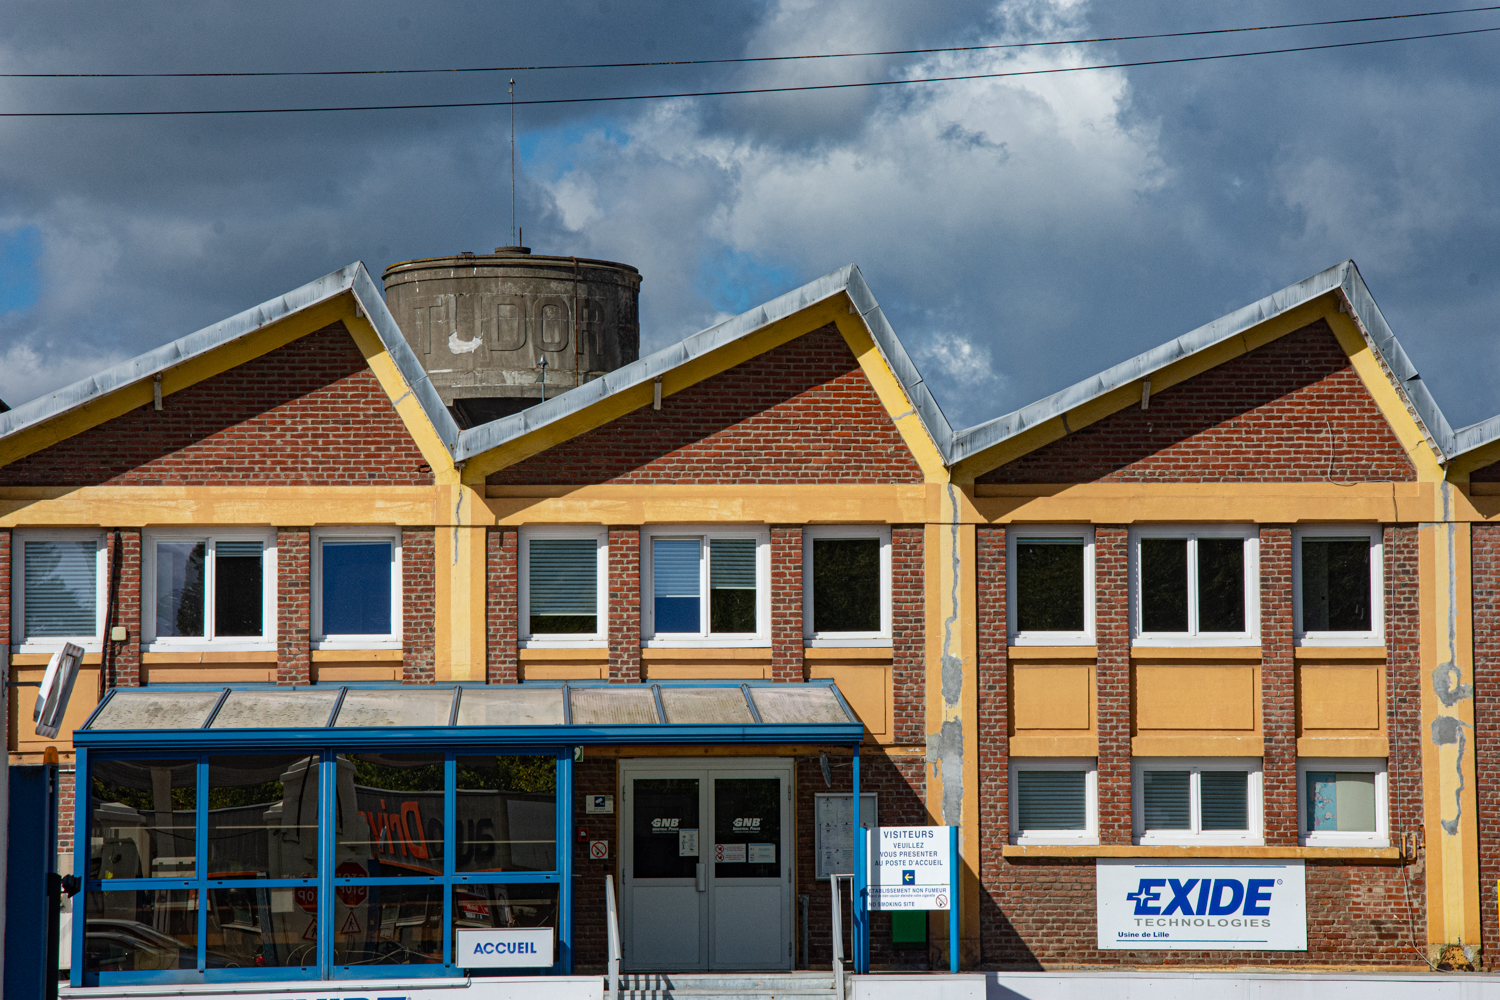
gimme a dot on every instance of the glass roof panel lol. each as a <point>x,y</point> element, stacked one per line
<point>258,708</point>
<point>720,706</point>
<point>798,704</point>
<point>410,706</point>
<point>616,705</point>
<point>511,705</point>
<point>149,709</point>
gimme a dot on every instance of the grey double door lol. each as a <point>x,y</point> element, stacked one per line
<point>706,864</point>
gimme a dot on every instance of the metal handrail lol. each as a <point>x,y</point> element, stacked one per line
<point>838,937</point>
<point>612,932</point>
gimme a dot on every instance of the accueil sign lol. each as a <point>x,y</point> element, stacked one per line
<point>1224,906</point>
<point>504,948</point>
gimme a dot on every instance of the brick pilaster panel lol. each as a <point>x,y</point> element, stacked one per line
<point>786,603</point>
<point>501,608</point>
<point>624,604</point>
<point>1278,688</point>
<point>293,606</point>
<point>418,606</point>
<point>992,639</point>
<point>908,635</point>
<point>127,655</point>
<point>1486,570</point>
<point>1403,687</point>
<point>1112,632</point>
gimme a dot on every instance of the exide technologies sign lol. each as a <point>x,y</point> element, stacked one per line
<point>1187,906</point>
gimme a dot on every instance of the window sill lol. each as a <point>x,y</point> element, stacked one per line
<point>46,649</point>
<point>360,644</point>
<point>207,654</point>
<point>1052,652</point>
<point>90,659</point>
<point>707,644</point>
<point>856,642</point>
<point>702,653</point>
<point>1317,652</point>
<point>356,655</point>
<point>848,652</point>
<point>538,654</point>
<point>1200,851</point>
<point>1156,652</point>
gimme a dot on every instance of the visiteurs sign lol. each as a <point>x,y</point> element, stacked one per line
<point>1187,906</point>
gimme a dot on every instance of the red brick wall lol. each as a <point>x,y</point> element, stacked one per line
<point>786,603</point>
<point>992,638</point>
<point>293,606</point>
<point>803,412</point>
<point>501,621</point>
<point>1113,680</point>
<point>1486,568</point>
<point>419,610</point>
<point>1278,687</point>
<point>593,776</point>
<point>125,668</point>
<point>908,635</point>
<point>1262,417</point>
<point>309,413</point>
<point>1404,679</point>
<point>624,604</point>
<point>899,784</point>
<point>65,803</point>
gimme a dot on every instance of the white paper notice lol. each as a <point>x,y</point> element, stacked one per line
<point>687,843</point>
<point>761,854</point>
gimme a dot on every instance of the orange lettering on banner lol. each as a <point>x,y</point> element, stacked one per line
<point>418,843</point>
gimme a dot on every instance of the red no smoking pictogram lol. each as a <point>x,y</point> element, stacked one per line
<point>351,895</point>
<point>598,849</point>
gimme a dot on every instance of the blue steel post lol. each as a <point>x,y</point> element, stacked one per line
<point>952,899</point>
<point>80,858</point>
<point>565,860</point>
<point>857,910</point>
<point>328,776</point>
<point>200,851</point>
<point>450,849</point>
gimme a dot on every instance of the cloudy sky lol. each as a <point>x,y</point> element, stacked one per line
<point>1021,233</point>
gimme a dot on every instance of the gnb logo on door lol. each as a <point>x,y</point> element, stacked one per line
<point>747,824</point>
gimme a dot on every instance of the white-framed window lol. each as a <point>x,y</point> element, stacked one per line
<point>208,587</point>
<point>846,585</point>
<point>58,590</point>
<point>1054,800</point>
<point>1342,802</point>
<point>1195,586</point>
<point>356,588</point>
<point>1050,581</point>
<point>564,587</point>
<point>1210,800</point>
<point>705,586</point>
<point>1338,591</point>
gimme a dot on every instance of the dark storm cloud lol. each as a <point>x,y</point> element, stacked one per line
<point>1021,234</point>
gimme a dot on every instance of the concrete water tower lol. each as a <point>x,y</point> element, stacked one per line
<point>483,324</point>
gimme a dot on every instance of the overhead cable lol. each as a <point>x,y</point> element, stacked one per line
<point>759,59</point>
<point>750,90</point>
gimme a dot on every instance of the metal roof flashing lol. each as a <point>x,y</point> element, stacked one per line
<point>1343,278</point>
<point>353,279</point>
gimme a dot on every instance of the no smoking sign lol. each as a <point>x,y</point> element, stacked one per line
<point>598,849</point>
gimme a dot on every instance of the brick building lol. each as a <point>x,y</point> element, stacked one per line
<point>1224,607</point>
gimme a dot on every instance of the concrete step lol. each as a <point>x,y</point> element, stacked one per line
<point>813,985</point>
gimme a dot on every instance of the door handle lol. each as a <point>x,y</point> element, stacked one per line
<point>702,883</point>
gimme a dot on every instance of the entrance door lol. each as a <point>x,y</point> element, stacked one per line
<point>706,873</point>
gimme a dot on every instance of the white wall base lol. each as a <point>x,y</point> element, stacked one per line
<point>919,986</point>
<point>498,988</point>
<point>1238,986</point>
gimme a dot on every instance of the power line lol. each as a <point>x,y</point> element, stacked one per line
<point>754,90</point>
<point>759,59</point>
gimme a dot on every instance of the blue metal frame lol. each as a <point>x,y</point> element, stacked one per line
<point>327,742</point>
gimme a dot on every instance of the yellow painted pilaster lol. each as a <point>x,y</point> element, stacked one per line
<point>953,699</point>
<point>1448,775</point>
<point>459,583</point>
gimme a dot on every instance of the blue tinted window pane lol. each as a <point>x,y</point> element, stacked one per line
<point>1225,800</point>
<point>1166,800</point>
<point>675,578</point>
<point>357,588</point>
